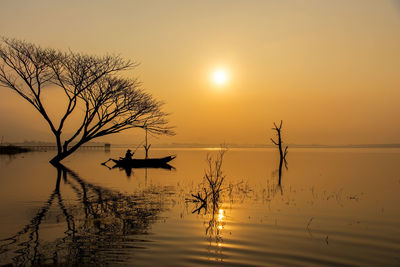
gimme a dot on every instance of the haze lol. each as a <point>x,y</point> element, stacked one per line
<point>328,69</point>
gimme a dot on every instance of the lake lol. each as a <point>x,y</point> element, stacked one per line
<point>334,207</point>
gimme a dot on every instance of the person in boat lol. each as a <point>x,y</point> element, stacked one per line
<point>129,154</point>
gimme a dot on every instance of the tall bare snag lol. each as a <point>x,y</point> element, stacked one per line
<point>282,152</point>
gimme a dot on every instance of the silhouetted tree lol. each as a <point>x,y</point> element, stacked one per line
<point>92,84</point>
<point>282,153</point>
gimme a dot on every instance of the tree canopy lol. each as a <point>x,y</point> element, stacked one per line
<point>110,102</point>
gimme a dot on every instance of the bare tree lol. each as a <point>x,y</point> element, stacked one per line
<point>108,103</point>
<point>282,153</point>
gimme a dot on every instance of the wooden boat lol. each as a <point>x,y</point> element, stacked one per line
<point>144,163</point>
<point>129,163</point>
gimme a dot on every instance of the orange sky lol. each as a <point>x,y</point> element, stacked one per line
<point>329,69</point>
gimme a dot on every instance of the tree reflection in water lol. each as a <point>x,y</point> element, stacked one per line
<point>214,232</point>
<point>100,227</point>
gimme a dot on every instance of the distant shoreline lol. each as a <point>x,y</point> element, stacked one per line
<point>205,146</point>
<point>11,149</point>
<point>177,145</point>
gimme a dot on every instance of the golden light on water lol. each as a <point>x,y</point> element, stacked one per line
<point>220,215</point>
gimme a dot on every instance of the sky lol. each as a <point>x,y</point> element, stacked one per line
<point>329,69</point>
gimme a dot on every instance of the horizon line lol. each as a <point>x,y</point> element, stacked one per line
<point>215,145</point>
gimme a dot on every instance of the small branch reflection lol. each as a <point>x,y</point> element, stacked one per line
<point>208,200</point>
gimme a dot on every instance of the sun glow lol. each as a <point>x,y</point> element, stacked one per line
<point>220,77</point>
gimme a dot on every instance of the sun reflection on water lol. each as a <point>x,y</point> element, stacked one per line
<point>220,215</point>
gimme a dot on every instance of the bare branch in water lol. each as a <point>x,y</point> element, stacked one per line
<point>282,152</point>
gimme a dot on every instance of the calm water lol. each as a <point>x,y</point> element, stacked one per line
<point>335,207</point>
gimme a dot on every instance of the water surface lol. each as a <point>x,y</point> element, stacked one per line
<point>335,207</point>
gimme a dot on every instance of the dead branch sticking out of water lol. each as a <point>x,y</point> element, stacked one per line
<point>212,185</point>
<point>282,152</point>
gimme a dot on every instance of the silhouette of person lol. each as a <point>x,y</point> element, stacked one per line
<point>129,154</point>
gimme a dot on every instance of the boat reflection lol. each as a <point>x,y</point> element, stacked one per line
<point>102,227</point>
<point>129,169</point>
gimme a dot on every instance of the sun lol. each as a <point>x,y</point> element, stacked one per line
<point>220,77</point>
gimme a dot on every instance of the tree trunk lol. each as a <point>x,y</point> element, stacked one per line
<point>281,156</point>
<point>60,156</point>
